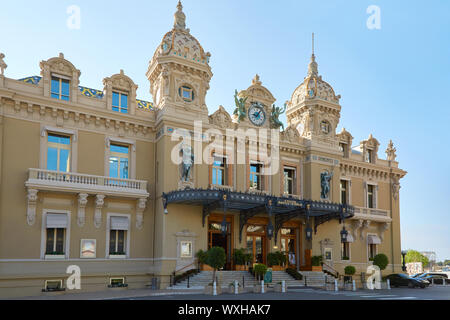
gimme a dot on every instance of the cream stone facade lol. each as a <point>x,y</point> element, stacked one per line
<point>141,229</point>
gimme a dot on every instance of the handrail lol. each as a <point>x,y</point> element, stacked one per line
<point>192,264</point>
<point>330,270</point>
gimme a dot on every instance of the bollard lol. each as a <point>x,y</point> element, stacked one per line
<point>283,288</point>
<point>236,288</point>
<point>305,282</point>
<point>243,282</point>
<point>262,286</point>
<point>214,289</point>
<point>354,285</point>
<point>388,283</point>
<point>432,281</point>
<point>443,282</point>
<point>336,289</point>
<point>188,282</point>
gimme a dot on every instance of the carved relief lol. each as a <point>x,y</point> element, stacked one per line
<point>140,207</point>
<point>221,118</point>
<point>31,209</point>
<point>291,135</point>
<point>82,202</point>
<point>99,202</point>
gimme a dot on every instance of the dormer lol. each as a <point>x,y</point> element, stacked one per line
<point>345,142</point>
<point>120,93</point>
<point>60,79</point>
<point>369,149</point>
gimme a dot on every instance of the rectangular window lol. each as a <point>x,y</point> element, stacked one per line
<point>370,196</point>
<point>344,192</point>
<point>119,161</point>
<point>219,171</point>
<point>58,153</point>
<point>55,241</point>
<point>369,156</point>
<point>372,250</point>
<point>345,251</point>
<point>117,242</point>
<point>256,176</point>
<point>120,102</point>
<point>60,89</point>
<point>289,181</point>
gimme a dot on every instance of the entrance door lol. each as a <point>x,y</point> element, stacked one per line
<point>256,243</point>
<point>217,239</point>
<point>289,245</point>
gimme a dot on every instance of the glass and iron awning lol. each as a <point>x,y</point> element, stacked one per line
<point>248,205</point>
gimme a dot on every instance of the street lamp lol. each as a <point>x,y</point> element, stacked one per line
<point>270,230</point>
<point>404,252</point>
<point>223,226</point>
<point>344,234</point>
<point>309,232</point>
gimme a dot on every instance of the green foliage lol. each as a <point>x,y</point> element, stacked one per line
<point>345,258</point>
<point>216,258</point>
<point>239,256</point>
<point>248,258</point>
<point>282,259</point>
<point>316,261</point>
<point>416,256</point>
<point>181,277</point>
<point>294,273</point>
<point>201,256</point>
<point>260,270</point>
<point>350,270</point>
<point>381,260</point>
<point>276,259</point>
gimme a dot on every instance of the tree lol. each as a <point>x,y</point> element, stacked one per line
<point>216,259</point>
<point>381,260</point>
<point>416,256</point>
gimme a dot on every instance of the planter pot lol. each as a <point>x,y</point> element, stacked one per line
<point>316,268</point>
<point>279,288</point>
<point>241,267</point>
<point>278,268</point>
<point>209,290</point>
<point>231,290</point>
<point>205,267</point>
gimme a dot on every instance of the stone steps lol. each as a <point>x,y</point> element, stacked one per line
<point>225,278</point>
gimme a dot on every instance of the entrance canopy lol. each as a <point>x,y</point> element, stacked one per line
<point>251,204</point>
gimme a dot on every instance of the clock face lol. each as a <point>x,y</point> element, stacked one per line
<point>257,115</point>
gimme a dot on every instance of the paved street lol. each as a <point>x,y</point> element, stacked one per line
<point>431,293</point>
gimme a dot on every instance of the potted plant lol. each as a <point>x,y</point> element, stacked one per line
<point>239,260</point>
<point>216,259</point>
<point>231,288</point>
<point>349,272</point>
<point>316,262</point>
<point>381,260</point>
<point>201,259</point>
<point>259,271</point>
<point>276,260</point>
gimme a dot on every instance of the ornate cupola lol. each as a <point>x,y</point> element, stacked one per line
<point>314,108</point>
<point>179,73</point>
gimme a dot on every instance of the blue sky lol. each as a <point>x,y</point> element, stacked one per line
<point>393,81</point>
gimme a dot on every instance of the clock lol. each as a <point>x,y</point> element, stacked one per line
<point>256,114</point>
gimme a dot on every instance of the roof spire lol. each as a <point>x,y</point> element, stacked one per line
<point>313,67</point>
<point>180,18</point>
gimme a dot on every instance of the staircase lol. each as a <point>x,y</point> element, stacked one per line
<point>224,278</point>
<point>316,279</point>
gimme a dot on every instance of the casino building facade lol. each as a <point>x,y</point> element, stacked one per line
<point>88,177</point>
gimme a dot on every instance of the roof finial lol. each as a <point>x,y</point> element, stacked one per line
<point>313,67</point>
<point>180,18</point>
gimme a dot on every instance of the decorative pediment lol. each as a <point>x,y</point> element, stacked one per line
<point>121,82</point>
<point>221,118</point>
<point>257,92</point>
<point>60,66</point>
<point>345,136</point>
<point>290,135</point>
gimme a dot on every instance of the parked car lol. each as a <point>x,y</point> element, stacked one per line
<point>434,277</point>
<point>402,280</point>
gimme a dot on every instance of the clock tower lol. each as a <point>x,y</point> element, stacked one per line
<point>179,74</point>
<point>258,105</point>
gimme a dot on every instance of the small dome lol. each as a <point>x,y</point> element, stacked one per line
<point>313,87</point>
<point>179,42</point>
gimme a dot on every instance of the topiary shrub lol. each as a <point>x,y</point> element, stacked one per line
<point>316,261</point>
<point>216,259</point>
<point>239,256</point>
<point>201,256</point>
<point>350,270</point>
<point>381,260</point>
<point>260,270</point>
<point>282,259</point>
<point>272,259</point>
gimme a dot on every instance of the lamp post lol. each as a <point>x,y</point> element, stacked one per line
<point>270,228</point>
<point>223,226</point>
<point>308,230</point>
<point>404,252</point>
<point>344,234</point>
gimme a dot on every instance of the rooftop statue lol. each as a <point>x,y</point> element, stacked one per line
<point>240,111</point>
<point>3,65</point>
<point>274,118</point>
<point>325,178</point>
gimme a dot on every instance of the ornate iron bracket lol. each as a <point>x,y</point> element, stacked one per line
<point>207,208</point>
<point>245,215</point>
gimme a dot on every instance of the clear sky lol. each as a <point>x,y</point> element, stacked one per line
<point>394,81</point>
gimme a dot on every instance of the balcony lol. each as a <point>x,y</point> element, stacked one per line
<point>372,214</point>
<point>46,180</point>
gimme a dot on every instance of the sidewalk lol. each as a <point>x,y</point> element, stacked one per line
<point>106,295</point>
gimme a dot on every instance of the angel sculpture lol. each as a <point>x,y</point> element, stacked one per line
<point>276,112</point>
<point>240,111</point>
